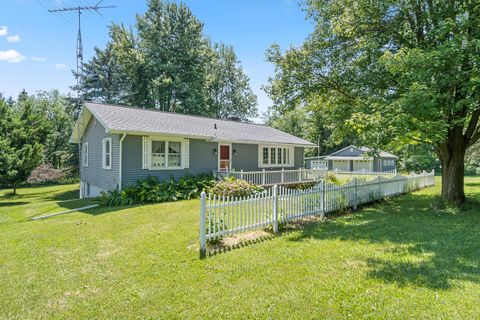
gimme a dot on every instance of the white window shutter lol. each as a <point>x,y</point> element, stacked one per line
<point>146,152</point>
<point>103,153</point>
<point>291,157</point>
<point>186,153</point>
<point>260,156</point>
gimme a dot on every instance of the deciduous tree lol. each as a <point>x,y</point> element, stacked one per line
<point>391,72</point>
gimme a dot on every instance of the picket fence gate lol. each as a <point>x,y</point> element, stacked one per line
<point>225,216</point>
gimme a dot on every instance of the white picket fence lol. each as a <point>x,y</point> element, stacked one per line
<point>226,216</point>
<point>365,172</point>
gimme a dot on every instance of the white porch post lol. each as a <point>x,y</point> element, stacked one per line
<point>203,229</point>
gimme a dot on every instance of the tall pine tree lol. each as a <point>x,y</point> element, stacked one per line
<point>167,63</point>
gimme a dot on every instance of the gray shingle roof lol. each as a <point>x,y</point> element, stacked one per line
<point>382,154</point>
<point>133,120</point>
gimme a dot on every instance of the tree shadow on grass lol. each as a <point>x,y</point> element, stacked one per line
<point>472,184</point>
<point>10,204</point>
<point>424,246</point>
<point>66,195</point>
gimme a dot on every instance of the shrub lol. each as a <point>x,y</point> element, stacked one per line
<point>231,187</point>
<point>302,185</point>
<point>332,178</point>
<point>116,198</point>
<point>152,190</point>
<point>45,173</point>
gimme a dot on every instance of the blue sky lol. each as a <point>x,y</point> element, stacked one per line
<point>37,48</point>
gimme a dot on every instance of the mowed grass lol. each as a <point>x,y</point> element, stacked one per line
<point>407,257</point>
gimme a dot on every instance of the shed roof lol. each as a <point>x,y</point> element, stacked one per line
<point>121,119</point>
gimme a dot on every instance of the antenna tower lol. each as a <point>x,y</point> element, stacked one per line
<point>79,10</point>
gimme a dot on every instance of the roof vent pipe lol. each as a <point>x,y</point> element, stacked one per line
<point>214,126</point>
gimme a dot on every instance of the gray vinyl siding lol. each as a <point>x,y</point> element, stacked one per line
<point>202,160</point>
<point>330,164</point>
<point>298,161</point>
<point>387,168</point>
<point>376,164</point>
<point>94,174</point>
<point>246,158</point>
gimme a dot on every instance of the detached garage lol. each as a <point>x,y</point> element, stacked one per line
<point>358,159</point>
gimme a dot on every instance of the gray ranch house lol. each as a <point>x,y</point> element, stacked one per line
<point>120,145</point>
<point>355,159</point>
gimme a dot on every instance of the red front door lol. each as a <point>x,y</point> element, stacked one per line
<point>224,158</point>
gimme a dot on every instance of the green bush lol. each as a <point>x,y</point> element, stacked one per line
<point>231,187</point>
<point>332,178</point>
<point>152,190</point>
<point>116,198</point>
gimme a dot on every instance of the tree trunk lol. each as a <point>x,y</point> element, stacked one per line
<point>14,190</point>
<point>452,157</point>
<point>452,180</point>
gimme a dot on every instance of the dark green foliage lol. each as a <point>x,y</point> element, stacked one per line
<point>389,73</point>
<point>151,190</point>
<point>417,158</point>
<point>22,132</point>
<point>34,130</point>
<point>229,93</point>
<point>166,62</point>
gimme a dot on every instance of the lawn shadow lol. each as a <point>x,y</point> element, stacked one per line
<point>65,195</point>
<point>13,203</point>
<point>240,241</point>
<point>424,246</point>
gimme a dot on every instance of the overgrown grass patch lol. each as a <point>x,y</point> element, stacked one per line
<point>398,259</point>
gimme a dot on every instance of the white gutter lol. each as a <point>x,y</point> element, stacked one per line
<point>120,151</point>
<point>347,158</point>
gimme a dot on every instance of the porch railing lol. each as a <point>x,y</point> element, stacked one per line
<point>271,177</point>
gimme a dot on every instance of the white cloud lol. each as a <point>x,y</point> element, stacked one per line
<point>14,38</point>
<point>60,66</point>
<point>3,31</point>
<point>11,56</point>
<point>39,59</point>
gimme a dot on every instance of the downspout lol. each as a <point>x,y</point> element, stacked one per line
<point>120,151</point>
<point>80,168</point>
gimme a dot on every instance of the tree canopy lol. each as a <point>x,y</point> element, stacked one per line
<point>390,73</point>
<point>34,129</point>
<point>167,63</point>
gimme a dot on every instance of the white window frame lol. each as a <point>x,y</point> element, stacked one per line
<point>287,156</point>
<point>184,153</point>
<point>106,152</point>
<point>388,163</point>
<point>85,154</point>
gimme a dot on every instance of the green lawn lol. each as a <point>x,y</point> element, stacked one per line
<point>404,258</point>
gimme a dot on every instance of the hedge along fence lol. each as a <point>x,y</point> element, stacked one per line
<point>226,216</point>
